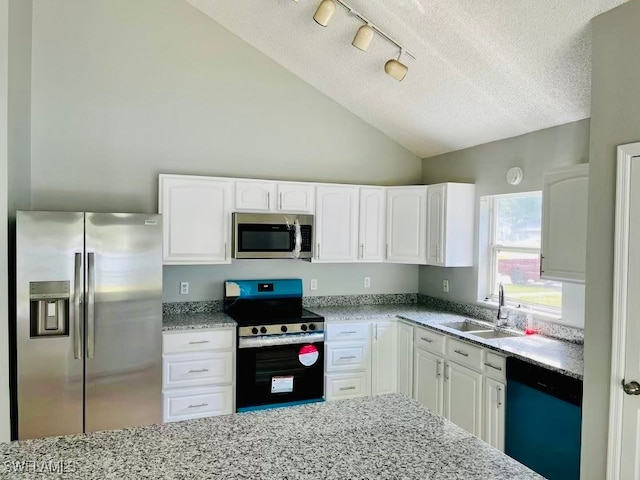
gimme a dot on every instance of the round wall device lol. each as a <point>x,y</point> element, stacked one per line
<point>514,175</point>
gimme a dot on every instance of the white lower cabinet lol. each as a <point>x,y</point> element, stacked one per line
<point>463,397</point>
<point>198,373</point>
<point>361,359</point>
<point>405,358</point>
<point>493,413</point>
<point>428,388</point>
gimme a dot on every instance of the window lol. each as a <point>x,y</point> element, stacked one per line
<point>514,244</point>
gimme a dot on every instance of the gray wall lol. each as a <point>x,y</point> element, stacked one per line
<point>123,91</point>
<point>486,166</point>
<point>615,120</point>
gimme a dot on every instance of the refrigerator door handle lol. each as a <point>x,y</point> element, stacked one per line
<point>77,294</point>
<point>91,290</point>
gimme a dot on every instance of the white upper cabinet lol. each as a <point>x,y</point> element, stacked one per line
<point>406,219</point>
<point>268,196</point>
<point>372,224</point>
<point>196,219</point>
<point>450,224</point>
<point>295,197</point>
<point>564,223</point>
<point>336,223</point>
<point>254,195</point>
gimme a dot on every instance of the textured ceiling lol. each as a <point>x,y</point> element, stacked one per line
<point>485,69</point>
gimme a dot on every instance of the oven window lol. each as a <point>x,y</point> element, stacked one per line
<point>264,238</point>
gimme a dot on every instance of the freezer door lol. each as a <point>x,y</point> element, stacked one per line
<point>123,320</point>
<point>49,253</point>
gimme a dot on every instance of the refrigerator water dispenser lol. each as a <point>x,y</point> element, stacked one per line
<point>49,308</point>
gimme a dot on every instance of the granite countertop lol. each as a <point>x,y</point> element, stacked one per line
<point>553,354</point>
<point>194,321</point>
<point>389,436</point>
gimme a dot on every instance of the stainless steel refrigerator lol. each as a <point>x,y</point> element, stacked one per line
<point>89,321</point>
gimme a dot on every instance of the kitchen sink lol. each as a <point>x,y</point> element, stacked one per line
<point>495,334</point>
<point>468,326</point>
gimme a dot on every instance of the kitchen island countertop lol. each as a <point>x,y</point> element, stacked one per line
<point>384,437</point>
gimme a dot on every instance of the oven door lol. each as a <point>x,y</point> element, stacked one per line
<point>271,236</point>
<point>276,374</point>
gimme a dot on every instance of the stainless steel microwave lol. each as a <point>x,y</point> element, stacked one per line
<point>272,235</point>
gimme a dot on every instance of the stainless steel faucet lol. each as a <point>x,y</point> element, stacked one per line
<point>501,320</point>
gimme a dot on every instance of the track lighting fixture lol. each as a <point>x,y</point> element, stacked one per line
<point>362,40</point>
<point>395,69</point>
<point>363,37</point>
<point>324,12</point>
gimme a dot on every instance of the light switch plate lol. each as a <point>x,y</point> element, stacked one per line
<point>313,284</point>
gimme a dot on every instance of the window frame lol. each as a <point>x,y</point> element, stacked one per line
<point>494,248</point>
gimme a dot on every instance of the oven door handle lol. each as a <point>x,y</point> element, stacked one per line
<point>265,341</point>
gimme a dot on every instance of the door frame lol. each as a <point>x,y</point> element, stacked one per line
<point>626,155</point>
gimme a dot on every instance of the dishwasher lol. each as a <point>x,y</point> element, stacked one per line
<point>543,420</point>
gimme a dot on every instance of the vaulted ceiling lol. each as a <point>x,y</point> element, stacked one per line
<point>485,69</point>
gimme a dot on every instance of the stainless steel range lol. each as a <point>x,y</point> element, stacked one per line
<point>280,358</point>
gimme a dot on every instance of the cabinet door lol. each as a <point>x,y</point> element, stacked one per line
<point>564,224</point>
<point>295,197</point>
<point>406,217</point>
<point>254,196</point>
<point>493,417</point>
<point>336,224</point>
<point>385,358</point>
<point>436,198</point>
<point>196,219</point>
<point>463,397</point>
<point>372,224</point>
<point>405,359</point>
<point>428,382</point>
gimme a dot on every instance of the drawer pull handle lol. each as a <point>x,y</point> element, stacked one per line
<point>200,370</point>
<point>350,332</point>
<point>199,405</point>
<point>347,388</point>
<point>493,366</point>
<point>428,340</point>
<point>350,357</point>
<point>197,342</point>
<point>460,352</point>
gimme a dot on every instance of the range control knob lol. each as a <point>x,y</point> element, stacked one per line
<point>283,328</point>
<point>303,327</point>
<point>263,329</point>
<point>312,326</point>
<point>254,330</point>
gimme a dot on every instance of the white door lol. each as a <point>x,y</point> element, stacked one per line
<point>372,224</point>
<point>336,224</point>
<point>295,197</point>
<point>624,424</point>
<point>196,219</point>
<point>254,196</point>
<point>493,413</point>
<point>385,358</point>
<point>435,224</point>
<point>406,217</point>
<point>463,397</point>
<point>405,359</point>
<point>428,383</point>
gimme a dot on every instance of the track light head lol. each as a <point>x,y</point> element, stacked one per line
<point>363,38</point>
<point>324,12</point>
<point>395,69</point>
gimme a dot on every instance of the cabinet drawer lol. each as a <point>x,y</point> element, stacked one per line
<point>495,366</point>
<point>429,340</point>
<point>350,385</point>
<point>197,403</point>
<point>464,354</point>
<point>346,356</point>
<point>223,339</point>
<point>194,369</point>
<point>347,331</point>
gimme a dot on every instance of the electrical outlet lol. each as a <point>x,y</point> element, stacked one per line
<point>367,282</point>
<point>445,286</point>
<point>313,285</point>
<point>184,288</point>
